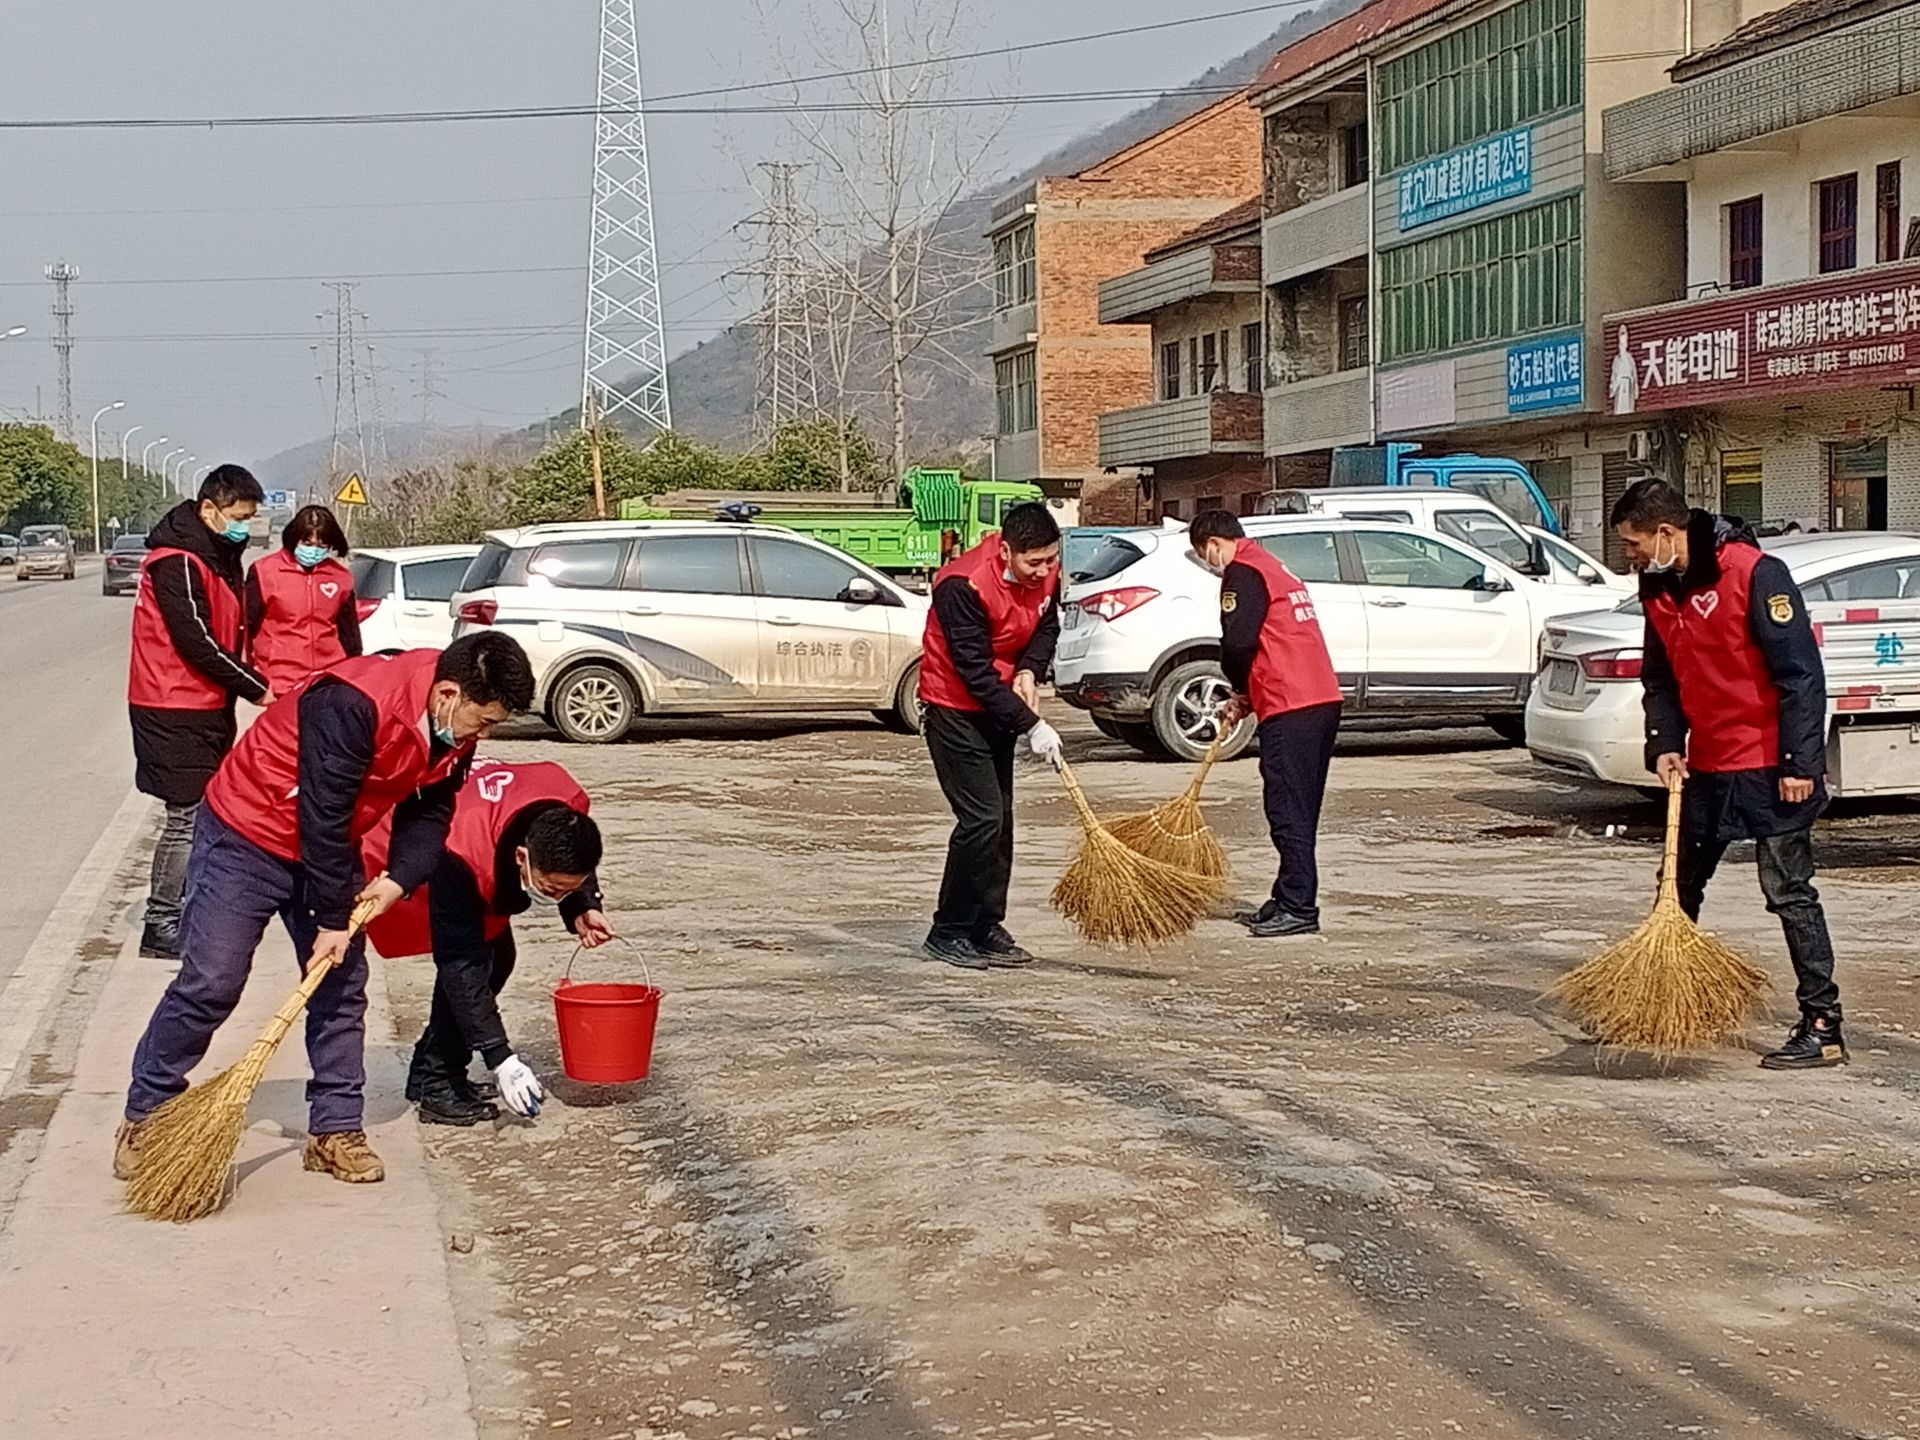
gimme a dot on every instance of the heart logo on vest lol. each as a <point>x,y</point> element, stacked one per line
<point>493,785</point>
<point>1706,602</point>
<point>330,589</point>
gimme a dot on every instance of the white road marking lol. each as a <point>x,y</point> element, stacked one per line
<point>34,986</point>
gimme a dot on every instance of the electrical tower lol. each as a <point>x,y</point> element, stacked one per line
<point>349,440</point>
<point>626,359</point>
<point>63,275</point>
<point>789,376</point>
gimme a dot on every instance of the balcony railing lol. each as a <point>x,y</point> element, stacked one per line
<point>1320,413</point>
<point>1326,232</point>
<point>1218,424</point>
<point>1209,270</point>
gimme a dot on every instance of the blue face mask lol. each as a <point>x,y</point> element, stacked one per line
<point>237,531</point>
<point>309,555</point>
<point>442,733</point>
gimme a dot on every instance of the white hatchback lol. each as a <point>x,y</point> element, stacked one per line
<point>403,594</point>
<point>630,618</point>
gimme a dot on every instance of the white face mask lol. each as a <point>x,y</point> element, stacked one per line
<point>534,892</point>
<point>1199,558</point>
<point>1657,566</point>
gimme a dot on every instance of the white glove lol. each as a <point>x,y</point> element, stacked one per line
<point>1044,741</point>
<point>520,1088</point>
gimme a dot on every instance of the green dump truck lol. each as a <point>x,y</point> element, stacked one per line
<point>939,514</point>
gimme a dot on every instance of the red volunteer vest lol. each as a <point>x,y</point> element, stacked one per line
<point>298,634</point>
<point>157,678</point>
<point>1014,612</point>
<point>255,787</point>
<point>1731,703</point>
<point>1292,669</point>
<point>495,792</point>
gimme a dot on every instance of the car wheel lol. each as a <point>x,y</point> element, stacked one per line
<point>1184,706</point>
<point>1510,728</point>
<point>594,705</point>
<point>908,716</point>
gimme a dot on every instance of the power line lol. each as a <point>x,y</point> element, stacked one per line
<point>374,275</point>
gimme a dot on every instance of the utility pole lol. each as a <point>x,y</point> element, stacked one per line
<point>789,378</point>
<point>592,413</point>
<point>63,275</point>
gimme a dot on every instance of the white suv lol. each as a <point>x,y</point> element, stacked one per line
<point>1417,623</point>
<point>625,618</point>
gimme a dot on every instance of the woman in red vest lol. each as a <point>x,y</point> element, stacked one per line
<point>300,610</point>
<point>990,638</point>
<point>1276,660</point>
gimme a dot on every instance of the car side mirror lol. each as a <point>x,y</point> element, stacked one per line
<point>1491,582</point>
<point>1538,561</point>
<point>861,591</point>
<point>1592,576</point>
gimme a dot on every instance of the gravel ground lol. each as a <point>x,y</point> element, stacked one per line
<point>1359,1186</point>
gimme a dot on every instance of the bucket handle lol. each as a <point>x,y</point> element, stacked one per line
<point>566,979</point>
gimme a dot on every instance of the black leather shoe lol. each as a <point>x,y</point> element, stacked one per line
<point>1003,952</point>
<point>447,1106</point>
<point>955,950</point>
<point>160,940</point>
<point>1268,911</point>
<point>1282,925</point>
<point>1813,1044</point>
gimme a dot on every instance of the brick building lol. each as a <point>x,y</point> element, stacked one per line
<point>1057,369</point>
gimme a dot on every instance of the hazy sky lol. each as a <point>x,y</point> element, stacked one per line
<point>226,364</point>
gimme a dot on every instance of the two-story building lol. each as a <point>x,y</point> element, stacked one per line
<point>1785,379</point>
<point>1057,369</point>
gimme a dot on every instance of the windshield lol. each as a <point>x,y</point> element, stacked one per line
<point>1488,533</point>
<point>1103,560</point>
<point>131,542</point>
<point>484,569</point>
<point>1510,492</point>
<point>42,535</point>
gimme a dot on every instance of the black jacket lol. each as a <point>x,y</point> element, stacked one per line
<point>176,751</point>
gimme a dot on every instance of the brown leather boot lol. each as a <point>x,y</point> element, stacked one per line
<point>126,1149</point>
<point>346,1156</point>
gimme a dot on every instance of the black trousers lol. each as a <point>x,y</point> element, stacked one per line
<point>973,758</point>
<point>1296,750</point>
<point>442,1053</point>
<point>1786,879</point>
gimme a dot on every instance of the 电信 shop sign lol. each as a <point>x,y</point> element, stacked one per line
<point>1843,331</point>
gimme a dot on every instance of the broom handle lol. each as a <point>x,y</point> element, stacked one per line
<point>1670,862</point>
<point>1206,766</point>
<point>284,1017</point>
<point>1087,818</point>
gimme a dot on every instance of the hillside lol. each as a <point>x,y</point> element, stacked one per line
<point>305,467</point>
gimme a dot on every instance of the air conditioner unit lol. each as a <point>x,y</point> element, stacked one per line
<point>1642,446</point>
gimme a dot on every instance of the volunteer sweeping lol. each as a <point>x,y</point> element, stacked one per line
<point>990,638</point>
<point>521,839</point>
<point>1736,703</point>
<point>1276,660</point>
<point>279,834</point>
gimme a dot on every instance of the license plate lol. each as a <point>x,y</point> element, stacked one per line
<point>1072,617</point>
<point>1562,677</point>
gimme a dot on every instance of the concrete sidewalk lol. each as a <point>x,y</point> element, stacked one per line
<point>306,1306</point>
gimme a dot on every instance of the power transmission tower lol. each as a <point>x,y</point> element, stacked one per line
<point>63,275</point>
<point>789,377</point>
<point>349,439</point>
<point>430,389</point>
<point>626,351</point>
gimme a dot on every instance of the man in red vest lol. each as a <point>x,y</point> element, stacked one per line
<point>280,834</point>
<point>1736,702</point>
<point>521,840</point>
<point>187,666</point>
<point>1276,660</point>
<point>990,638</point>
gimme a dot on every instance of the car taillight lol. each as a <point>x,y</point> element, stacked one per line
<point>364,608</point>
<point>1611,665</point>
<point>1112,604</point>
<point>478,612</point>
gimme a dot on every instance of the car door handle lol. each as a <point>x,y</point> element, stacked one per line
<point>1388,604</point>
<point>424,612</point>
<point>781,620</point>
<point>641,610</point>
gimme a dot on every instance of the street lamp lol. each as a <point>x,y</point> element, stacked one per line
<point>125,483</point>
<point>146,454</point>
<point>95,447</point>
<point>14,333</point>
<point>202,473</point>
<point>166,469</point>
<point>180,475</point>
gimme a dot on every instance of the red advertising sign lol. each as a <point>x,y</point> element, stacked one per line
<point>1839,332</point>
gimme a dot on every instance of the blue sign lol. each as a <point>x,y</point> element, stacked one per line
<point>281,499</point>
<point>1483,173</point>
<point>1546,374</point>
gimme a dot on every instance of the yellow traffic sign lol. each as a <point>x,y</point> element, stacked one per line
<point>354,492</point>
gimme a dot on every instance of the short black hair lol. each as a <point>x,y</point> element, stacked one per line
<point>1648,504</point>
<point>315,525</point>
<point>230,484</point>
<point>489,667</point>
<point>1215,525</point>
<point>562,841</point>
<point>1029,526</point>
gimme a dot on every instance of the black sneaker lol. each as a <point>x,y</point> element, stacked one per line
<point>1266,912</point>
<point>1003,952</point>
<point>1282,925</point>
<point>445,1105</point>
<point>1813,1044</point>
<point>160,940</point>
<point>955,950</point>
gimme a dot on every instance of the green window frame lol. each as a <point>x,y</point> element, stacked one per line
<point>1499,73</point>
<point>1516,274</point>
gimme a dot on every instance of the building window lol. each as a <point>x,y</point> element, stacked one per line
<point>1169,509</point>
<point>1744,244</point>
<point>1513,67</point>
<point>1249,502</point>
<point>1354,351</point>
<point>1253,355</point>
<point>1839,211</point>
<point>1740,494</point>
<point>1170,370</point>
<point>1013,269</point>
<point>1886,211</point>
<point>1209,362</point>
<point>1555,479</point>
<point>1355,162</point>
<point>1016,393</point>
<point>1206,503</point>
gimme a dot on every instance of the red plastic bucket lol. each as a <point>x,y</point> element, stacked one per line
<point>606,1030</point>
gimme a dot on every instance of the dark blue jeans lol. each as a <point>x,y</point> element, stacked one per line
<point>233,889</point>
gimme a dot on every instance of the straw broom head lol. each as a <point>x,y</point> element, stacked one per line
<point>1177,833</point>
<point>1115,895</point>
<point>1669,987</point>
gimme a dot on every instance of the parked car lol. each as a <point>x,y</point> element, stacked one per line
<point>403,595</point>
<point>120,574</point>
<point>1418,623</point>
<point>1585,715</point>
<point>662,617</point>
<point>46,551</point>
<point>9,549</point>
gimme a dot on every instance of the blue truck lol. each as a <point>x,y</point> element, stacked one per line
<point>1505,483</point>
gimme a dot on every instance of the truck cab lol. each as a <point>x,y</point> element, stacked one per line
<point>1504,483</point>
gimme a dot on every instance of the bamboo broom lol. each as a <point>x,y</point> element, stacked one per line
<point>1115,895</point>
<point>185,1166</point>
<point>1177,833</point>
<point>1669,987</point>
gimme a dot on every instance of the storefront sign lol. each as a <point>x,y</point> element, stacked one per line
<point>1546,374</point>
<point>1420,397</point>
<point>1483,173</point>
<point>1839,332</point>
